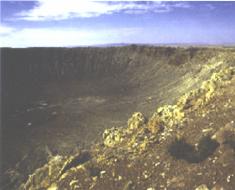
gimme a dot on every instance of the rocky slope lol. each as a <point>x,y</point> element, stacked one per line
<point>65,97</point>
<point>159,154</point>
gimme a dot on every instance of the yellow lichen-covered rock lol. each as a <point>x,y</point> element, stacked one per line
<point>137,120</point>
<point>223,75</point>
<point>199,97</point>
<point>170,114</point>
<point>209,88</point>
<point>73,184</point>
<point>53,187</point>
<point>188,100</point>
<point>217,79</point>
<point>100,158</point>
<point>45,176</point>
<point>73,161</point>
<point>178,114</point>
<point>113,136</point>
<point>143,145</point>
<point>154,124</point>
<point>167,115</point>
<point>185,101</point>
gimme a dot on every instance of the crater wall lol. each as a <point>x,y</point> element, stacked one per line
<point>64,98</point>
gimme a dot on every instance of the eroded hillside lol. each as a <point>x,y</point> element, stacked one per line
<point>59,101</point>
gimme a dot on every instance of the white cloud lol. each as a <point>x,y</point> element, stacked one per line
<point>4,30</point>
<point>57,37</point>
<point>65,9</point>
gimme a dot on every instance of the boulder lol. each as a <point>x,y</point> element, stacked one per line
<point>136,121</point>
<point>113,136</point>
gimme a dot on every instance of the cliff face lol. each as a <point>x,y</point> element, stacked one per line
<point>26,70</point>
<point>43,64</point>
<point>56,100</point>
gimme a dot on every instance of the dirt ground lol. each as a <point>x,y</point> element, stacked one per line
<point>172,163</point>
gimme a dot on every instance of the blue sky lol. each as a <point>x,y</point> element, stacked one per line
<point>85,22</point>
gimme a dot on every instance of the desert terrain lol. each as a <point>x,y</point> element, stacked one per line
<point>129,117</point>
